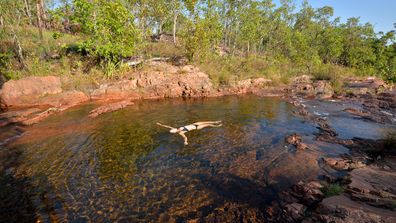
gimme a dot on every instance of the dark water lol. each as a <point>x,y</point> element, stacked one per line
<point>122,167</point>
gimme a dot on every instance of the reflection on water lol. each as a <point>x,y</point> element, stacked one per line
<point>121,166</point>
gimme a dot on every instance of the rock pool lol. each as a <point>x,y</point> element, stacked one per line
<point>122,167</point>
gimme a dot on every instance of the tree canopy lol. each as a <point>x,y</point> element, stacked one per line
<point>308,37</point>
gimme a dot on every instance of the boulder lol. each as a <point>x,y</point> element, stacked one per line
<point>323,89</point>
<point>27,91</point>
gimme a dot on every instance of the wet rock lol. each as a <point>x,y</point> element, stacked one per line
<point>340,209</point>
<point>39,117</point>
<point>110,108</point>
<point>294,212</point>
<point>373,185</point>
<point>16,116</point>
<point>296,140</point>
<point>27,91</point>
<point>308,193</point>
<point>343,164</point>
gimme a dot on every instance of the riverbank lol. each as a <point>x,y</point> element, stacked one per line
<point>32,99</point>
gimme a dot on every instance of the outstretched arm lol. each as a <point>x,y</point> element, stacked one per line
<point>166,126</point>
<point>184,137</point>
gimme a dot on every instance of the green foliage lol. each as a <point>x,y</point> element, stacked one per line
<point>261,38</point>
<point>332,190</point>
<point>202,35</point>
<point>110,29</point>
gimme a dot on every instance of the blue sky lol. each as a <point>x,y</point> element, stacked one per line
<point>380,13</point>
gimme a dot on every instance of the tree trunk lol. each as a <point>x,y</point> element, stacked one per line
<point>19,51</point>
<point>1,21</point>
<point>174,26</point>
<point>160,27</point>
<point>43,14</point>
<point>27,9</point>
<point>39,21</point>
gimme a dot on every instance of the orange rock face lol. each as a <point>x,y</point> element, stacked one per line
<point>27,91</point>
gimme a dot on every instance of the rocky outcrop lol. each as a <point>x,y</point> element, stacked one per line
<point>304,86</point>
<point>374,186</point>
<point>360,86</point>
<point>28,91</point>
<point>161,81</point>
<point>110,108</point>
<point>116,90</point>
<point>323,89</point>
<point>341,209</point>
<point>249,85</point>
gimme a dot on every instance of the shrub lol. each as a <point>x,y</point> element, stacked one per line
<point>332,190</point>
<point>110,29</point>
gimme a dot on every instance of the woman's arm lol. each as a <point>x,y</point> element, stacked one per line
<point>184,137</point>
<point>166,126</point>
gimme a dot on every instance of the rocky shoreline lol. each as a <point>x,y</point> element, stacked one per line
<point>365,179</point>
<point>366,175</point>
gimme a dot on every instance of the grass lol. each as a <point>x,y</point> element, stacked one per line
<point>161,49</point>
<point>230,69</point>
<point>56,54</point>
<point>332,190</point>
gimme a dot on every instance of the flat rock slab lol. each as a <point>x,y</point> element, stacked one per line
<point>340,208</point>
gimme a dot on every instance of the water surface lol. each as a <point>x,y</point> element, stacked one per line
<point>122,167</point>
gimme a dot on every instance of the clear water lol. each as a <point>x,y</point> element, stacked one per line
<point>122,167</point>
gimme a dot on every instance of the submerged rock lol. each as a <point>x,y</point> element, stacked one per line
<point>110,108</point>
<point>296,140</point>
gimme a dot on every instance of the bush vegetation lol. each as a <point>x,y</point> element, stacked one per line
<point>332,190</point>
<point>259,38</point>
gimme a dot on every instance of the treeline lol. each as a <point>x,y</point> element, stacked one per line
<point>115,29</point>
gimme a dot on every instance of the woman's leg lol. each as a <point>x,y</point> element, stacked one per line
<point>206,122</point>
<point>207,125</point>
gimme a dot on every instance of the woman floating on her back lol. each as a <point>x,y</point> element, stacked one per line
<point>194,126</point>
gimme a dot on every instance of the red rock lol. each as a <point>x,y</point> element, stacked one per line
<point>27,91</point>
<point>109,108</point>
